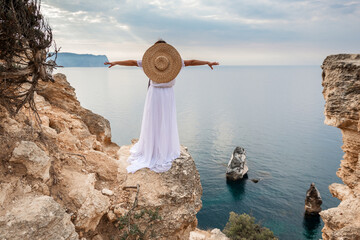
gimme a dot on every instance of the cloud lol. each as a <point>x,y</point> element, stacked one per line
<point>306,28</point>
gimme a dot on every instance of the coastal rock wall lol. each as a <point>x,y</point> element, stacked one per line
<point>341,82</point>
<point>67,180</point>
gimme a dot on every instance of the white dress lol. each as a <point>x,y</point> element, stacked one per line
<point>158,143</point>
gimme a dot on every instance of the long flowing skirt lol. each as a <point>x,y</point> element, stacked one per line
<point>158,144</point>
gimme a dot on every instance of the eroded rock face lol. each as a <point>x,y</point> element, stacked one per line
<point>62,95</point>
<point>71,174</point>
<point>313,200</point>
<point>341,82</point>
<point>237,167</point>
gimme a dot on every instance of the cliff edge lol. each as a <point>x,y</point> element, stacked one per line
<point>68,180</point>
<point>341,82</point>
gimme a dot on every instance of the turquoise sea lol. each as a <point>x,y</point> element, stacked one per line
<point>274,112</point>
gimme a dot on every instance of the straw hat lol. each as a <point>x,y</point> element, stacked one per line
<point>161,63</point>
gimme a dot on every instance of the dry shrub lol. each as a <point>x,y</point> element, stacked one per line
<point>25,39</point>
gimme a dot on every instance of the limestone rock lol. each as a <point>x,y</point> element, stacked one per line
<point>237,167</point>
<point>72,159</point>
<point>342,222</point>
<point>342,90</point>
<point>177,194</point>
<point>91,211</point>
<point>62,94</point>
<point>107,192</point>
<point>91,205</point>
<point>36,161</point>
<point>341,191</point>
<point>313,200</point>
<point>119,210</point>
<point>341,82</point>
<point>5,190</point>
<point>214,234</point>
<point>36,217</point>
<point>105,166</point>
<point>97,125</point>
<point>111,216</point>
<point>195,235</point>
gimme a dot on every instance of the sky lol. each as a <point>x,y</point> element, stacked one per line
<point>232,32</point>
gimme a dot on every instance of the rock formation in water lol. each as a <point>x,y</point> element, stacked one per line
<point>237,167</point>
<point>67,180</point>
<point>341,82</point>
<point>313,200</point>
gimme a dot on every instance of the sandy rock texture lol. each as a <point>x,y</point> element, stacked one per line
<point>341,82</point>
<point>237,167</point>
<point>36,161</point>
<point>67,180</point>
<point>313,200</point>
<point>214,234</point>
<point>32,217</point>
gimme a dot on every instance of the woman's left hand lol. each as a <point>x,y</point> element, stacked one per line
<point>109,63</point>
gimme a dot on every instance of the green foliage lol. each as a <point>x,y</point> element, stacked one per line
<point>243,227</point>
<point>129,223</point>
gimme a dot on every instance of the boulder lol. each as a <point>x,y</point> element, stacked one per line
<point>104,166</point>
<point>36,161</point>
<point>91,211</point>
<point>79,189</point>
<point>237,167</point>
<point>36,217</point>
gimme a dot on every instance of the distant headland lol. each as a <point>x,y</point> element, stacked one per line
<point>67,59</point>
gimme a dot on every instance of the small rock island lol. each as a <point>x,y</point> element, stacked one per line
<point>313,201</point>
<point>237,167</point>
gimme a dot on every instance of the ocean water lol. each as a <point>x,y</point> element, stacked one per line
<point>274,112</point>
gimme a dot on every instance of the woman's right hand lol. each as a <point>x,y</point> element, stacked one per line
<point>211,64</point>
<point>111,64</point>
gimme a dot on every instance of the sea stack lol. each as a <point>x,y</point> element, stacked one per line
<point>237,167</point>
<point>313,201</point>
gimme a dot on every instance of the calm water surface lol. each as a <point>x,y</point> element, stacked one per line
<point>275,113</point>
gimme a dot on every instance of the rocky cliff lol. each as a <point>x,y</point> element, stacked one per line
<point>65,179</point>
<point>341,82</point>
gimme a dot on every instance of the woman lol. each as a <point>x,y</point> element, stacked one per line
<point>158,143</point>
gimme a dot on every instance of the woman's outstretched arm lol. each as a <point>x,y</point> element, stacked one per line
<point>199,62</point>
<point>123,63</point>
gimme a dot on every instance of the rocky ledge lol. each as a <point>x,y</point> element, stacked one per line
<point>67,180</point>
<point>341,82</point>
